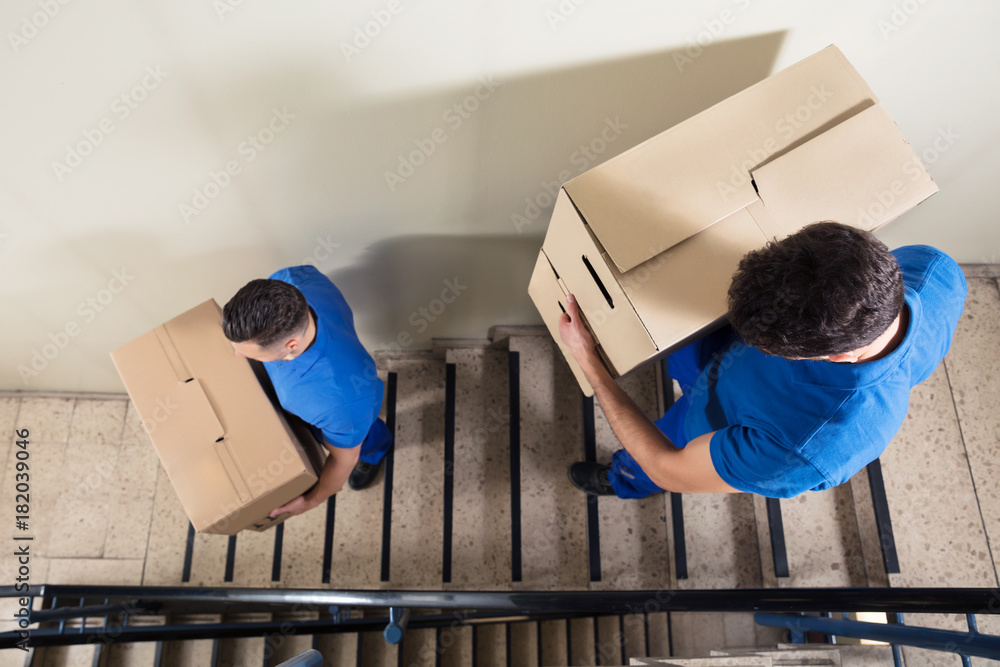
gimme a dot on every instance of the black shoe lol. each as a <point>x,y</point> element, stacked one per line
<point>363,475</point>
<point>591,478</point>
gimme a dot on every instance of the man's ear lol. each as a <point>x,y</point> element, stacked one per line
<point>844,358</point>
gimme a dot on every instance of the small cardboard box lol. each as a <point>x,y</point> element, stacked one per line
<point>230,452</point>
<point>649,240</point>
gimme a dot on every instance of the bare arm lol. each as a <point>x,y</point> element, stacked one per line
<point>336,470</point>
<point>687,470</point>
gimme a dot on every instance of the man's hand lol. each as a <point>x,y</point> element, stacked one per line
<point>294,507</point>
<point>574,332</point>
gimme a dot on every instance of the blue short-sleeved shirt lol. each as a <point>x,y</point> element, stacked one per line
<point>784,427</point>
<point>333,385</point>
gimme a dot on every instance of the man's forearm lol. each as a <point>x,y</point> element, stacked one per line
<point>638,435</point>
<point>336,470</point>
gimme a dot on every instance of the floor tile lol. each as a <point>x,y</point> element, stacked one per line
<point>936,521</point>
<point>95,571</point>
<point>418,475</point>
<point>633,532</point>
<point>131,494</point>
<point>553,511</point>
<point>79,528</point>
<point>48,419</point>
<point>973,367</point>
<point>97,421</point>
<point>481,551</point>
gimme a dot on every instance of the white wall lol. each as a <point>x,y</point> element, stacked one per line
<point>319,189</point>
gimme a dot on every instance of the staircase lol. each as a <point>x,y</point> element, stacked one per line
<point>469,503</point>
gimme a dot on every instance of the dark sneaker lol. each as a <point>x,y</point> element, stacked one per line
<point>363,475</point>
<point>591,478</point>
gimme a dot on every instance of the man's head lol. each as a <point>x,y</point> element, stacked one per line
<point>267,320</point>
<point>824,291</point>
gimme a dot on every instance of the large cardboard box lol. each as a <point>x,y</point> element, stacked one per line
<point>648,241</point>
<point>231,453</point>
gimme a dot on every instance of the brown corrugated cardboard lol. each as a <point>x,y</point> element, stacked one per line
<point>230,454</point>
<point>649,240</point>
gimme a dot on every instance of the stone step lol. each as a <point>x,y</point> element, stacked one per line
<point>481,534</point>
<point>553,511</point>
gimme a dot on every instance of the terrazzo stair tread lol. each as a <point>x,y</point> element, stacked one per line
<point>721,541</point>
<point>936,518</point>
<point>418,647</point>
<point>455,646</point>
<point>719,661</point>
<point>133,485</point>
<point>973,369</point>
<point>491,645</point>
<point>254,558</point>
<point>48,419</point>
<point>553,512</point>
<point>523,645</point>
<point>610,641</point>
<point>129,654</point>
<point>481,533</point>
<point>208,559</point>
<point>338,649</point>
<point>865,656</point>
<point>302,549</point>
<point>789,657</point>
<point>553,642</point>
<point>822,541</point>
<point>186,653</point>
<point>418,475</point>
<point>582,638</point>
<point>868,535</point>
<point>167,537</point>
<point>80,518</point>
<point>63,656</point>
<point>357,529</point>
<point>916,657</point>
<point>285,646</point>
<point>376,652</point>
<point>241,652</point>
<point>635,635</point>
<point>633,532</point>
<point>657,626</point>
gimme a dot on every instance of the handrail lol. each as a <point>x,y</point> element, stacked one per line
<point>900,600</point>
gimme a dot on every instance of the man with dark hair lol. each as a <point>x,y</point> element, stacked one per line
<point>299,325</point>
<point>829,333</point>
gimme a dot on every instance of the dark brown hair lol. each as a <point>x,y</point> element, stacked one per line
<point>264,312</point>
<point>827,289</point>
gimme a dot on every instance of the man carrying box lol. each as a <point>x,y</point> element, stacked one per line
<point>830,331</point>
<point>299,325</point>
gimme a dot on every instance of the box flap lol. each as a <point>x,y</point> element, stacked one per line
<point>683,290</point>
<point>550,300</point>
<point>861,173</point>
<point>659,193</point>
<point>581,263</point>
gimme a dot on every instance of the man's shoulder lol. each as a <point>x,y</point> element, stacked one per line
<point>924,265</point>
<point>297,275</point>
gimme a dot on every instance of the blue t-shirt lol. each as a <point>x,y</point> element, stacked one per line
<point>784,427</point>
<point>333,385</point>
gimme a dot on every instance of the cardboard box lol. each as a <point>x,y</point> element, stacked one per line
<point>231,453</point>
<point>648,241</point>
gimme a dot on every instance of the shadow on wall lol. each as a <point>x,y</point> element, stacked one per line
<point>410,289</point>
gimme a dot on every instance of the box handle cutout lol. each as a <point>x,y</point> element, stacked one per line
<point>561,307</point>
<point>597,280</point>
